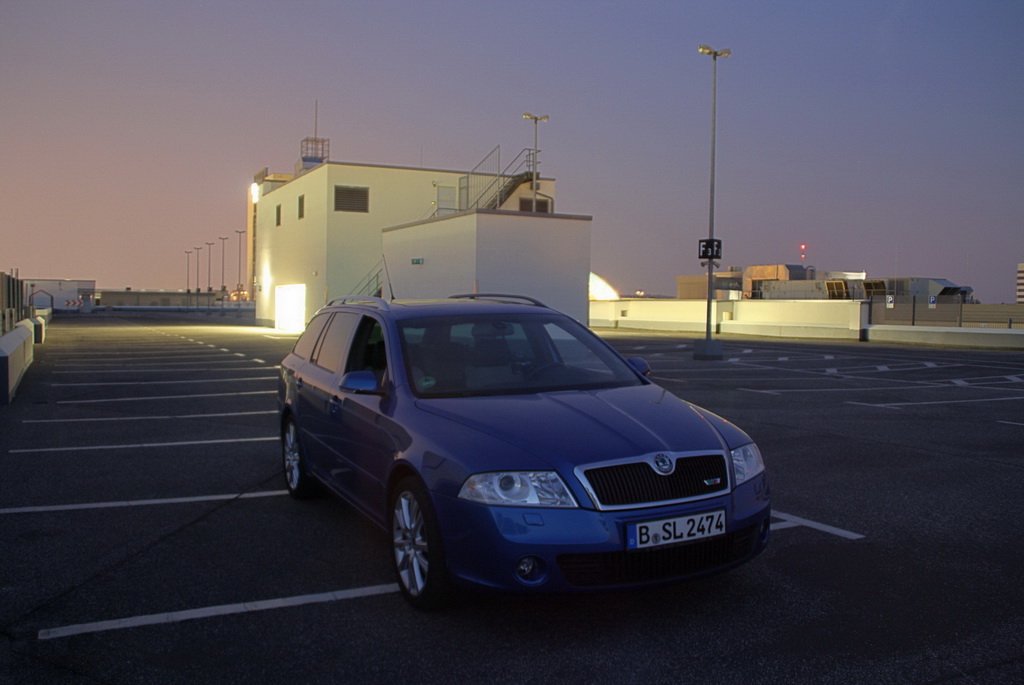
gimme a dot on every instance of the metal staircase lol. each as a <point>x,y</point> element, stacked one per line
<point>487,188</point>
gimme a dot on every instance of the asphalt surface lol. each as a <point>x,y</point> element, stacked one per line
<point>145,536</point>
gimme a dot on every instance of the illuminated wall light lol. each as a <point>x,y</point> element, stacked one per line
<point>290,307</point>
<point>254,192</point>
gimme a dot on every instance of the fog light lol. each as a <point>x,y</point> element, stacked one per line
<point>531,570</point>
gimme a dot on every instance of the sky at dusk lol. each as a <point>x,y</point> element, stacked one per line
<point>886,135</point>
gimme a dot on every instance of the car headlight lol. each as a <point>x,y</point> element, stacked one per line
<point>518,489</point>
<point>747,462</point>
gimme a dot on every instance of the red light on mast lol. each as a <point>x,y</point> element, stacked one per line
<point>803,251</point>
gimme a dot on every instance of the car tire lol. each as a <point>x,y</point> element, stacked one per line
<point>296,476</point>
<point>418,552</point>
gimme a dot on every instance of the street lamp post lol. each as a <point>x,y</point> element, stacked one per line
<point>536,121</point>
<point>239,284</point>
<point>188,275</point>
<point>209,266</point>
<point>197,249</point>
<point>222,240</point>
<point>711,349</point>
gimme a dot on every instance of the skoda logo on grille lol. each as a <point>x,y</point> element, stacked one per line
<point>663,463</point>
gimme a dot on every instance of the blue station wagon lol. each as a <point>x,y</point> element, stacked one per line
<point>505,446</point>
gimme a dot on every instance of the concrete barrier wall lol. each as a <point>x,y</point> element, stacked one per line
<point>834,319</point>
<point>821,319</point>
<point>990,338</point>
<point>16,355</point>
<point>660,315</point>
<point>782,318</point>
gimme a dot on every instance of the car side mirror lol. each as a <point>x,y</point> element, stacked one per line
<point>640,366</point>
<point>361,383</point>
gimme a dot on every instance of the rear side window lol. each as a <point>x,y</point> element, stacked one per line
<point>307,341</point>
<point>334,342</point>
<point>369,352</point>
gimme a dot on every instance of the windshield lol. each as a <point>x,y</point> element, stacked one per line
<point>466,355</point>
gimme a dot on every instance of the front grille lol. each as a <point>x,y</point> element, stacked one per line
<point>662,563</point>
<point>639,483</point>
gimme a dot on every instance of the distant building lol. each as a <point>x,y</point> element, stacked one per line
<point>334,229</point>
<point>797,282</point>
<point>1020,284</point>
<point>61,294</point>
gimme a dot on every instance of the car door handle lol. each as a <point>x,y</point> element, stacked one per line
<point>335,404</point>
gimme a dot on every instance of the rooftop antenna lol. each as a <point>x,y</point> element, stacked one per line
<point>315,150</point>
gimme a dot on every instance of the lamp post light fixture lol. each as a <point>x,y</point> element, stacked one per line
<point>536,122</point>
<point>239,284</point>
<point>197,249</point>
<point>222,240</point>
<point>209,266</point>
<point>709,349</point>
<point>188,276</point>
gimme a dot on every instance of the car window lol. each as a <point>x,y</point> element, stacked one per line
<point>571,351</point>
<point>369,351</point>
<point>334,341</point>
<point>492,355</point>
<point>307,341</point>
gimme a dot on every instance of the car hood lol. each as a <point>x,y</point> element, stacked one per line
<point>569,428</point>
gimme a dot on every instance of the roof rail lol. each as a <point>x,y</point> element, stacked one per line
<point>380,302</point>
<point>498,296</point>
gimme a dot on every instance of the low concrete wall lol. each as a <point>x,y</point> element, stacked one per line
<point>842,319</point>
<point>39,330</point>
<point>16,355</point>
<point>832,319</point>
<point>821,319</point>
<point>991,338</point>
<point>656,315</point>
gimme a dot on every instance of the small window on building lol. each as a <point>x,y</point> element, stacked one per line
<point>875,288</point>
<point>351,199</point>
<point>277,219</point>
<point>526,204</point>
<point>302,206</point>
<point>837,290</point>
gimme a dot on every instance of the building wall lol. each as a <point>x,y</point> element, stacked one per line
<point>60,294</point>
<point>544,256</point>
<point>435,258</point>
<point>330,252</point>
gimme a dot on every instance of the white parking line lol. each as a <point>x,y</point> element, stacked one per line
<point>152,418</point>
<point>892,405</point>
<point>139,445</point>
<point>201,380</point>
<point>140,502</point>
<point>791,521</point>
<point>222,610</point>
<point>170,397</point>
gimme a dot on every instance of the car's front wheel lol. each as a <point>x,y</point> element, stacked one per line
<point>419,559</point>
<point>300,483</point>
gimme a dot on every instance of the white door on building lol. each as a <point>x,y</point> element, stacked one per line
<point>290,307</point>
<point>446,201</point>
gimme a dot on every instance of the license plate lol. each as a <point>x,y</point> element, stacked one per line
<point>676,529</point>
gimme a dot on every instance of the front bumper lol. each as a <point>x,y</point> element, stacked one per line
<point>584,549</point>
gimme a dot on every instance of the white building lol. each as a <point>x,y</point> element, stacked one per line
<point>333,229</point>
<point>61,294</point>
<point>1020,284</point>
